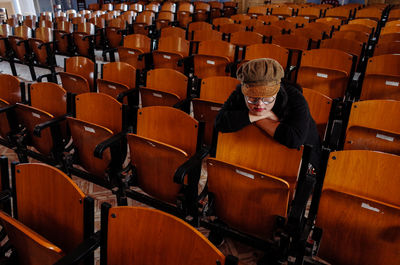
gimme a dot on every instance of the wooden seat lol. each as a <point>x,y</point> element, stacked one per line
<point>216,9</point>
<point>201,11</point>
<point>134,46</point>
<point>173,32</point>
<point>170,52</point>
<point>365,21</point>
<point>79,75</point>
<point>230,8</point>
<point>143,23</point>
<point>390,29</point>
<point>199,25</point>
<point>30,247</point>
<point>366,206</point>
<point>331,21</point>
<point>114,32</point>
<point>43,47</point>
<point>221,21</point>
<point>185,14</point>
<point>164,19</point>
<point>252,23</point>
<point>41,195</point>
<point>84,40</point>
<point>352,35</point>
<point>310,13</point>
<point>214,92</point>
<point>389,37</point>
<point>240,18</point>
<point>366,130</point>
<point>119,81</point>
<point>98,117</point>
<point>387,48</point>
<point>320,108</point>
<point>285,25</point>
<point>300,21</point>
<point>229,29</point>
<point>314,35</point>
<point>268,31</point>
<point>166,138</point>
<point>5,31</point>
<point>20,48</point>
<point>330,75</point>
<point>213,58</point>
<point>382,77</point>
<point>257,11</point>
<point>273,51</point>
<point>282,12</point>
<point>339,12</point>
<point>371,13</point>
<point>394,15</point>
<point>242,39</point>
<point>268,19</point>
<point>354,47</point>
<point>63,38</point>
<point>164,87</point>
<point>322,27</point>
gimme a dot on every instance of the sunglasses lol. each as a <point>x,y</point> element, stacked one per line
<point>254,101</point>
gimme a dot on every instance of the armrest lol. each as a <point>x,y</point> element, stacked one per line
<point>65,35</point>
<point>21,41</point>
<point>98,151</point>
<point>48,76</point>
<point>185,60</point>
<point>5,195</point>
<point>5,109</point>
<point>81,251</point>
<point>89,36</point>
<point>189,165</point>
<point>38,128</point>
<point>122,31</point>
<point>46,44</point>
<point>182,104</point>
<point>125,94</point>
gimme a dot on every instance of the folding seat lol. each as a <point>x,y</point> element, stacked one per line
<point>390,29</point>
<point>314,35</point>
<point>382,77</point>
<point>320,107</point>
<point>114,32</point>
<point>387,48</point>
<point>357,27</point>
<point>310,13</point>
<point>230,8</point>
<point>263,183</point>
<point>326,70</point>
<point>273,51</point>
<point>154,7</point>
<point>214,58</point>
<point>360,199</point>
<point>51,209</point>
<point>268,31</point>
<point>257,11</point>
<point>239,18</point>
<point>20,47</point>
<point>389,37</point>
<point>267,19</point>
<point>62,36</point>
<point>392,23</point>
<point>201,11</point>
<point>242,39</point>
<point>170,53</point>
<point>38,124</point>
<point>217,22</point>
<point>285,25</point>
<point>341,13</point>
<point>214,91</point>
<point>165,87</point>
<point>100,25</point>
<point>216,9</point>
<point>94,6</point>
<point>133,50</point>
<point>252,23</point>
<point>366,130</point>
<point>394,14</point>
<point>143,24</point>
<point>117,224</point>
<point>185,14</point>
<point>5,31</point>
<point>79,75</point>
<point>195,26</point>
<point>99,149</point>
<point>352,35</point>
<point>164,19</point>
<point>300,21</point>
<point>84,40</point>
<point>30,22</point>
<point>228,29</point>
<point>282,12</point>
<point>119,81</point>
<point>77,20</point>
<point>168,139</point>
<point>365,21</point>
<point>331,21</point>
<point>371,13</point>
<point>13,22</point>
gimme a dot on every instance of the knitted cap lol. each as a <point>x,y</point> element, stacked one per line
<point>260,77</point>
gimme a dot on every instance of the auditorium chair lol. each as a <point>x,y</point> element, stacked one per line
<point>267,50</point>
<point>217,22</point>
<point>360,200</point>
<point>5,51</point>
<point>331,21</point>
<point>144,24</point>
<point>257,11</point>
<point>170,53</point>
<point>252,23</point>
<point>268,31</point>
<point>239,18</point>
<point>166,155</point>
<point>285,25</point>
<point>168,6</point>
<point>325,28</point>
<point>370,13</point>
<point>229,29</point>
<point>164,19</point>
<point>137,7</point>
<point>314,35</point>
<point>62,36</point>
<point>341,13</point>
<point>120,242</point>
<point>365,21</point>
<point>173,32</point>
<point>201,11</point>
<point>134,49</point>
<point>387,48</point>
<point>165,87</point>
<point>382,77</point>
<point>243,39</point>
<point>300,21</point>
<point>84,40</point>
<point>185,14</point>
<point>394,14</point>
<point>114,33</point>
<point>99,149</point>
<point>216,9</point>
<point>230,8</point>
<point>268,19</point>
<point>282,12</point>
<point>326,70</point>
<point>214,91</point>
<point>52,215</point>
<point>310,13</point>
<point>195,26</point>
<point>99,38</point>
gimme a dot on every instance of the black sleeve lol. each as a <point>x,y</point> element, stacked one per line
<point>234,114</point>
<point>294,126</point>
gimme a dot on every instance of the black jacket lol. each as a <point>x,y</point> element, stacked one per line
<point>296,126</point>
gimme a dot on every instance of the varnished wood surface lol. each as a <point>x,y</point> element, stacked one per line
<point>268,19</point>
<point>231,28</point>
<point>170,126</point>
<point>371,13</point>
<point>366,130</point>
<point>217,48</point>
<point>365,21</point>
<point>286,25</point>
<point>199,25</point>
<point>353,47</point>
<point>42,92</point>
<point>387,48</point>
<point>154,97</point>
<point>365,173</point>
<point>252,23</point>
<point>173,32</point>
<point>320,26</point>
<point>268,51</point>
<point>298,20</point>
<point>210,65</point>
<point>206,111</point>
<point>357,27</point>
<point>369,226</point>
<point>4,125</point>
<point>202,35</point>
<point>342,13</point>
<point>174,45</point>
<point>218,88</point>
<point>245,38</point>
<point>332,21</point>
<point>100,109</point>
<point>352,34</point>
<point>389,37</point>
<point>328,59</point>
<point>31,248</point>
<point>283,11</point>
<point>120,72</point>
<point>168,80</point>
<point>50,203</point>
<point>155,164</point>
<point>291,41</point>
<point>81,66</point>
<point>86,136</point>
<point>10,89</point>
<point>245,199</point>
<point>74,83</point>
<point>156,238</point>
<point>320,107</point>
<point>243,146</point>
<point>221,21</point>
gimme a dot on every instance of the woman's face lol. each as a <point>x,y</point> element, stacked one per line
<point>260,106</point>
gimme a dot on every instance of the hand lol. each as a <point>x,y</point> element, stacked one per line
<point>269,115</point>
